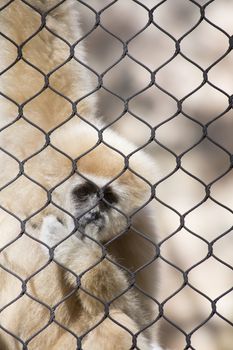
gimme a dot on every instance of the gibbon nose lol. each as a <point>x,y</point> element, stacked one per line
<point>94,215</point>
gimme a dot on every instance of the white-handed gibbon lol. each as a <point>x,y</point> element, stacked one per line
<point>76,247</point>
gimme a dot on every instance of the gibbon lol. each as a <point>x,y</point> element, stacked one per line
<point>76,247</point>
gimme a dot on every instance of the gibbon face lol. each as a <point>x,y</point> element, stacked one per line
<point>93,208</point>
<point>101,209</point>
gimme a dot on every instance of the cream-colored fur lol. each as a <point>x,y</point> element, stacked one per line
<point>38,296</point>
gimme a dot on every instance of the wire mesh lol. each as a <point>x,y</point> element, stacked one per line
<point>160,315</point>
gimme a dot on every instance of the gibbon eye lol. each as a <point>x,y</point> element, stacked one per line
<point>81,192</point>
<point>110,196</point>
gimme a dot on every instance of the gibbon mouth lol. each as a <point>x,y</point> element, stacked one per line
<point>94,219</point>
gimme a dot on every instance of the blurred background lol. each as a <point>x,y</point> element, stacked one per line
<point>205,161</point>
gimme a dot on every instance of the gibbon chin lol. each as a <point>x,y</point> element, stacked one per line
<point>76,239</point>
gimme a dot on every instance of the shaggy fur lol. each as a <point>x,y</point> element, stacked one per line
<point>42,201</point>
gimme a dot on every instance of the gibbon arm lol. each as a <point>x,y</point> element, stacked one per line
<point>103,279</point>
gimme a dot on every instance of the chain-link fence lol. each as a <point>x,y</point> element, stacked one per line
<point>161,71</point>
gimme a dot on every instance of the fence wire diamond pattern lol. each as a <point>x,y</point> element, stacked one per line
<point>153,131</point>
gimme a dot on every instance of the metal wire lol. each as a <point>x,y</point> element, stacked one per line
<point>153,130</point>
